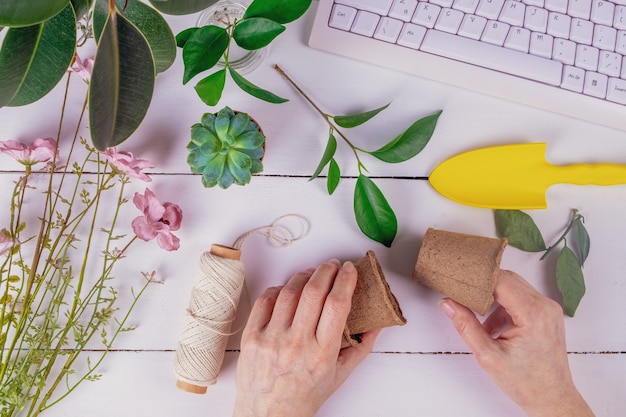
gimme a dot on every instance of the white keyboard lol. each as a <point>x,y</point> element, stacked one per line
<point>566,56</point>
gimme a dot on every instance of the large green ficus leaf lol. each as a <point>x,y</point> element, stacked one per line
<point>19,13</point>
<point>179,7</point>
<point>149,22</point>
<point>34,58</point>
<point>373,213</point>
<point>281,11</point>
<point>121,84</point>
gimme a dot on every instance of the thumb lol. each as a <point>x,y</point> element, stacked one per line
<point>468,326</point>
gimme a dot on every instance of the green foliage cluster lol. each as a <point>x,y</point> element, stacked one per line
<point>203,47</point>
<point>226,148</point>
<point>134,44</point>
<point>522,232</point>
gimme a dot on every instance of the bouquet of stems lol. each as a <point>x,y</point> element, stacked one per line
<point>59,307</point>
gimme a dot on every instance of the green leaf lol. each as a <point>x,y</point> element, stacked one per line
<point>183,37</point>
<point>253,90</point>
<point>583,240</point>
<point>353,120</point>
<point>281,11</point>
<point>256,32</point>
<point>180,7</point>
<point>569,280</point>
<point>373,213</point>
<point>210,89</point>
<point>34,59</point>
<point>122,83</point>
<point>149,22</point>
<point>203,50</point>
<point>329,152</point>
<point>81,7</point>
<point>19,13</point>
<point>409,143</point>
<point>520,230</point>
<point>334,175</point>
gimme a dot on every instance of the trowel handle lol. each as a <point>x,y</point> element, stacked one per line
<point>592,174</point>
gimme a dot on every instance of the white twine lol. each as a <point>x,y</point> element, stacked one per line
<point>213,307</point>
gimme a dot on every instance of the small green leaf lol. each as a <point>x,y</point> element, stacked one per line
<point>210,89</point>
<point>181,7</point>
<point>569,280</point>
<point>334,175</point>
<point>409,143</point>
<point>281,11</point>
<point>253,90</point>
<point>17,13</point>
<point>203,50</point>
<point>520,230</point>
<point>183,37</point>
<point>329,152</point>
<point>583,240</point>
<point>373,213</point>
<point>256,32</point>
<point>354,120</point>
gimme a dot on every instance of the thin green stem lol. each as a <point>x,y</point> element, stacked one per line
<point>572,223</point>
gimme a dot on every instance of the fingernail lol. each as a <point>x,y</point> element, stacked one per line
<point>447,308</point>
<point>348,267</point>
<point>335,261</point>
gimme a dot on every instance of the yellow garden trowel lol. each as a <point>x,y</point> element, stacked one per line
<point>514,176</point>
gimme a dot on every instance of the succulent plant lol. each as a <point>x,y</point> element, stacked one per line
<point>226,148</point>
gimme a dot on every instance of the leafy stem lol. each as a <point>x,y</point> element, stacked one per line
<point>576,217</point>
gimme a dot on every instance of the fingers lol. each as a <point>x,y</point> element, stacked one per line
<point>517,296</point>
<point>261,311</point>
<point>350,357</point>
<point>288,299</point>
<point>498,322</point>
<point>468,327</point>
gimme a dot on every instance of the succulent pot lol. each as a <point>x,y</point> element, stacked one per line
<point>226,148</point>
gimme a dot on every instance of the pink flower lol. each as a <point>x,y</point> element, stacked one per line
<point>41,150</point>
<point>158,220</point>
<point>5,241</point>
<point>125,163</point>
<point>82,68</point>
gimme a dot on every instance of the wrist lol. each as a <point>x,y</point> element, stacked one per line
<point>572,405</point>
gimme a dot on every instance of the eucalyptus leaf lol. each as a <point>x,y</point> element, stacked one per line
<point>520,230</point>
<point>203,50</point>
<point>409,143</point>
<point>583,240</point>
<point>281,11</point>
<point>33,59</point>
<point>373,213</point>
<point>180,7</point>
<point>253,90</point>
<point>122,82</point>
<point>256,32</point>
<point>329,152</point>
<point>19,13</point>
<point>569,280</point>
<point>334,175</point>
<point>210,89</point>
<point>148,21</point>
<point>353,120</point>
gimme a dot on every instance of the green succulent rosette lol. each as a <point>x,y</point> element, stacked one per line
<point>226,148</point>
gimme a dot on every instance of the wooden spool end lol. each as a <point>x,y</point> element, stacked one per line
<point>191,388</point>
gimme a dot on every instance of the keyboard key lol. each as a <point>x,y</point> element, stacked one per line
<point>442,3</point>
<point>602,12</point>
<point>559,24</point>
<point>342,17</point>
<point>537,3</point>
<point>610,64</point>
<point>595,84</point>
<point>495,32</point>
<point>388,29</point>
<point>365,23</point>
<point>620,44</point>
<point>426,14</point>
<point>380,7</point>
<point>604,37</point>
<point>581,31</point>
<point>472,26</point>
<point>616,90</point>
<point>403,9</point>
<point>449,20</point>
<point>619,20</point>
<point>466,6</point>
<point>489,8</point>
<point>536,19</point>
<point>518,39</point>
<point>587,57</point>
<point>559,6</point>
<point>579,8</point>
<point>564,51</point>
<point>513,13</point>
<point>491,56</point>
<point>411,35</point>
<point>573,78</point>
<point>541,45</point>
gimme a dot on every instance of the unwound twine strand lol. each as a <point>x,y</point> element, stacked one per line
<point>213,307</point>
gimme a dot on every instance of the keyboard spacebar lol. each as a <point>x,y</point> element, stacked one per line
<point>493,57</point>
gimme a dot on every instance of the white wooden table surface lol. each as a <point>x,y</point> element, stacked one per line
<point>421,369</point>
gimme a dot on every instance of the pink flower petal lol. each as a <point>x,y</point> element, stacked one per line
<point>142,229</point>
<point>126,163</point>
<point>172,215</point>
<point>168,241</point>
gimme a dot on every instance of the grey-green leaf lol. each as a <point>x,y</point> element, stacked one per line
<point>122,83</point>
<point>411,142</point>
<point>583,240</point>
<point>569,280</point>
<point>180,7</point>
<point>210,89</point>
<point>520,230</point>
<point>256,32</point>
<point>334,175</point>
<point>354,120</point>
<point>373,213</point>
<point>329,152</point>
<point>34,59</point>
<point>281,11</point>
<point>254,90</point>
<point>18,13</point>
<point>203,50</point>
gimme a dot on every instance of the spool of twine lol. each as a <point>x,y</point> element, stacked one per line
<point>213,307</point>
